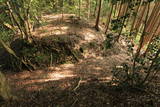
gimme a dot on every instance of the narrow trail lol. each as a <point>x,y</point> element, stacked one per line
<point>95,66</point>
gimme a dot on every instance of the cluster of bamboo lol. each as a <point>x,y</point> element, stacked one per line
<point>145,18</point>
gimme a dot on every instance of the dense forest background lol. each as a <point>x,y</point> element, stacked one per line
<point>119,37</point>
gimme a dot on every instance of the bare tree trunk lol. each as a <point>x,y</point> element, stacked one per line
<point>62,6</point>
<point>115,9</point>
<point>98,16</point>
<point>79,9</point>
<point>109,18</point>
<point>120,8</point>
<point>140,20</point>
<point>135,16</point>
<point>150,41</point>
<point>125,10</point>
<point>95,9</point>
<point>151,24</point>
<point>28,24</point>
<point>89,8</point>
<point>149,32</point>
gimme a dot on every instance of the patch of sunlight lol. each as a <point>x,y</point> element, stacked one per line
<point>61,75</point>
<point>57,68</point>
<point>98,68</point>
<point>89,36</point>
<point>57,16</point>
<point>51,77</point>
<point>109,78</point>
<point>99,57</point>
<point>67,65</point>
<point>64,27</point>
<point>59,30</point>
<point>51,16</point>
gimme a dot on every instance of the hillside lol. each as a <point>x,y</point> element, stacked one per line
<point>82,83</point>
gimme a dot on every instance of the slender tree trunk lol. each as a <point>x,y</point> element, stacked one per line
<point>115,9</point>
<point>28,19</point>
<point>134,18</point>
<point>62,10</point>
<point>149,32</point>
<point>125,10</point>
<point>150,41</point>
<point>95,9</point>
<point>140,20</point>
<point>109,18</point>
<point>21,18</point>
<point>14,19</point>
<point>154,13</point>
<point>89,8</point>
<point>150,68</point>
<point>98,16</point>
<point>79,9</point>
<point>141,39</point>
<point>120,8</point>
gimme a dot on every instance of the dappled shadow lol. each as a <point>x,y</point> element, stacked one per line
<point>76,34</point>
<point>82,84</point>
<point>88,94</point>
<point>98,68</point>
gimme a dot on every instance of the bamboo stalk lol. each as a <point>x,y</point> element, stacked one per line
<point>134,20</point>
<point>141,39</point>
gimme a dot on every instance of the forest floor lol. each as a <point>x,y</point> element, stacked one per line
<point>80,84</point>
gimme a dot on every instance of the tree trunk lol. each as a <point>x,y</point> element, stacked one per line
<point>79,9</point>
<point>134,18</point>
<point>120,8</point>
<point>150,41</point>
<point>98,16</point>
<point>89,8</point>
<point>142,37</point>
<point>109,18</point>
<point>95,9</point>
<point>125,10</point>
<point>140,20</point>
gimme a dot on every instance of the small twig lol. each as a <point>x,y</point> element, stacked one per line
<point>78,84</point>
<point>74,102</point>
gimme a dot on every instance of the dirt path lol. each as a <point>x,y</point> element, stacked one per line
<point>66,85</point>
<point>94,64</point>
